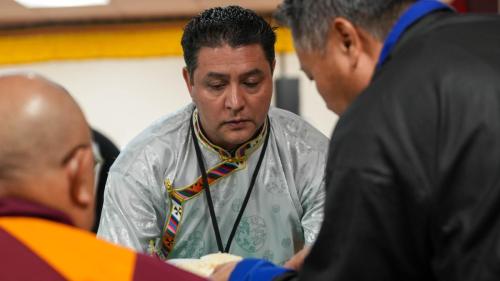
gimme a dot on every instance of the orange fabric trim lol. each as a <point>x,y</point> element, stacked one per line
<point>75,253</point>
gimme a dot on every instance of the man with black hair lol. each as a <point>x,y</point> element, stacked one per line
<point>226,173</point>
<point>413,185</point>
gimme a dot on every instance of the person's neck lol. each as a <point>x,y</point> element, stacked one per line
<point>225,146</point>
<point>371,45</point>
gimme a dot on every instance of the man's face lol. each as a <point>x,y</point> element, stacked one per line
<point>340,71</point>
<point>232,89</point>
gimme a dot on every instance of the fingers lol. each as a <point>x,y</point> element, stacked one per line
<point>223,271</point>
<point>295,263</point>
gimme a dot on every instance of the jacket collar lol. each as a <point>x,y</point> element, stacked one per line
<point>16,207</point>
<point>241,153</point>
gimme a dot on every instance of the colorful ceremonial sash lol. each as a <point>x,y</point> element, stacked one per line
<point>226,167</point>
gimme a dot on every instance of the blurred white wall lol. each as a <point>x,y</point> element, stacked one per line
<point>122,97</point>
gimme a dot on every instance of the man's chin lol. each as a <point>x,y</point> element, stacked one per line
<point>238,139</point>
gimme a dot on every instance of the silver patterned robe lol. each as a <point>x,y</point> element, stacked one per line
<point>154,200</point>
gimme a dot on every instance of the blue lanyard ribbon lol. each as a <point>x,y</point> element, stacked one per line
<point>416,11</point>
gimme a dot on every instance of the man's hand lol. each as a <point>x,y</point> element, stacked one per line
<point>297,260</point>
<point>223,271</point>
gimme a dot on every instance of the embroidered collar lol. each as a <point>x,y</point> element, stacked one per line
<point>241,153</point>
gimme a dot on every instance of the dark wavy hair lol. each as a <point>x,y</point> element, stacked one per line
<point>232,25</point>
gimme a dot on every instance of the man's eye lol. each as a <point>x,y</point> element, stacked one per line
<point>216,87</point>
<point>251,84</point>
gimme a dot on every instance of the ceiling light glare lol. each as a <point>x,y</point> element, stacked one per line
<point>61,3</point>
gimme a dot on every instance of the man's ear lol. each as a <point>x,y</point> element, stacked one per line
<point>79,170</point>
<point>273,66</point>
<point>187,79</point>
<point>347,38</point>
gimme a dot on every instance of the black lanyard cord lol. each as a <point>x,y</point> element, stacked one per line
<point>201,165</point>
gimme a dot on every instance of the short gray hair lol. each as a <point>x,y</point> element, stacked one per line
<point>310,19</point>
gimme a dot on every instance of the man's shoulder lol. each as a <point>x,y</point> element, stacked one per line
<point>448,44</point>
<point>294,129</point>
<point>165,133</point>
<point>443,59</point>
<point>69,237</point>
<point>165,126</point>
<point>85,258</point>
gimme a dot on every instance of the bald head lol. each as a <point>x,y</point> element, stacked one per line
<point>45,147</point>
<point>40,124</point>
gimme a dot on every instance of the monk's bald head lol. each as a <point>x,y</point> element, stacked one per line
<point>40,123</point>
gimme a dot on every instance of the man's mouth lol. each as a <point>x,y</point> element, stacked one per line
<point>236,123</point>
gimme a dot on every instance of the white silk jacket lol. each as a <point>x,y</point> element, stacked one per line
<point>154,200</point>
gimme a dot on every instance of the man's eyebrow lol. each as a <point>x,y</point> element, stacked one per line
<point>252,72</point>
<point>216,75</point>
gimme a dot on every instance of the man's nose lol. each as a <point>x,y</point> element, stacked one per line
<point>235,99</point>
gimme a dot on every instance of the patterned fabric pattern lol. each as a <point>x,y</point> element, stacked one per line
<point>154,186</point>
<point>228,165</point>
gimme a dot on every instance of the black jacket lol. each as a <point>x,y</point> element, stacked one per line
<point>413,177</point>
